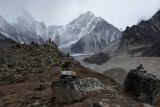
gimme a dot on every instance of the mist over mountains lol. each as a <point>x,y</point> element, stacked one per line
<point>87,62</point>
<point>85,34</point>
<point>24,29</point>
<point>138,44</point>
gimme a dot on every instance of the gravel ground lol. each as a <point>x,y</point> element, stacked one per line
<point>151,64</point>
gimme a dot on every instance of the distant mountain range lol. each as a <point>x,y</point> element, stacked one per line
<point>143,34</point>
<point>24,30</point>
<point>142,39</point>
<point>85,34</point>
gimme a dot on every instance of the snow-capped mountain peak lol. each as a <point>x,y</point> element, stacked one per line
<point>24,29</point>
<point>86,15</point>
<point>67,35</point>
<point>95,32</point>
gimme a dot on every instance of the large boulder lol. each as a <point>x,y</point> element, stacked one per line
<point>92,84</point>
<point>145,86</point>
<point>68,91</point>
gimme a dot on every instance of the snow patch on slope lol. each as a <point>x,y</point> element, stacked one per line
<point>83,26</point>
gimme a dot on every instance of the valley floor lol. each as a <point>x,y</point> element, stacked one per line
<point>151,64</point>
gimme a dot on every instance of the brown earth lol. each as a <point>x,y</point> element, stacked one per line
<point>23,68</point>
<point>33,64</point>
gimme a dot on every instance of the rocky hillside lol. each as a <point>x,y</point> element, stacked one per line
<point>26,69</point>
<point>27,72</point>
<point>145,33</point>
<point>144,86</point>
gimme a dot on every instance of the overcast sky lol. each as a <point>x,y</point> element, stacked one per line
<point>120,13</point>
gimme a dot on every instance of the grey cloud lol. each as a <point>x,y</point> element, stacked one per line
<point>59,12</point>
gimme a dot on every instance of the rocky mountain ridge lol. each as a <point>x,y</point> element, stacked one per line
<point>85,34</point>
<point>93,32</point>
<point>25,30</point>
<point>138,40</point>
<point>144,34</point>
<point>140,37</point>
<point>101,36</point>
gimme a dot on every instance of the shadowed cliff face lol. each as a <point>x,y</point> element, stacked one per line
<point>154,51</point>
<point>145,33</point>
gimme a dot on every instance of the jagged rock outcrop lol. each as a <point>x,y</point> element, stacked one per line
<point>98,58</point>
<point>145,86</point>
<point>137,39</point>
<point>145,33</point>
<point>34,58</point>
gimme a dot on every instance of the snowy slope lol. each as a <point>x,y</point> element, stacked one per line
<point>85,34</point>
<point>101,35</point>
<point>4,40</point>
<point>88,29</point>
<point>24,30</point>
<point>69,34</point>
<point>6,28</point>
